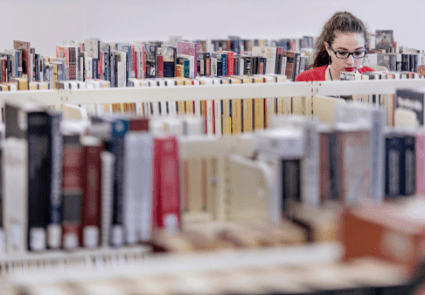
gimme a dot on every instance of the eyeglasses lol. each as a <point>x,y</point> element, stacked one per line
<point>346,54</point>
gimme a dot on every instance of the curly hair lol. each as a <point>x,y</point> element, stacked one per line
<point>343,22</point>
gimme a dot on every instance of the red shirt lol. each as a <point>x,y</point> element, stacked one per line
<point>318,74</point>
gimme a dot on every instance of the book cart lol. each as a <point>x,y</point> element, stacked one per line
<point>113,262</point>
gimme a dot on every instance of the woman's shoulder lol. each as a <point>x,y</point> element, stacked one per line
<point>365,69</point>
<point>315,74</point>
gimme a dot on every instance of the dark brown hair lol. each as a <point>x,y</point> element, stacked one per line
<point>343,22</point>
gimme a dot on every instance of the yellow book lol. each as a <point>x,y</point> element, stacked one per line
<point>22,83</point>
<point>189,103</point>
<point>298,105</point>
<point>236,110</point>
<point>33,86</point>
<point>181,106</point>
<point>323,107</point>
<point>247,118</point>
<point>259,108</point>
<point>225,117</point>
<point>55,74</point>
<point>43,86</point>
<point>4,87</point>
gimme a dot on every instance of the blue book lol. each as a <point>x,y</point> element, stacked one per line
<point>114,143</point>
<point>224,64</point>
<point>408,171</point>
<point>405,62</point>
<point>186,68</point>
<point>55,191</point>
<point>168,69</point>
<point>394,146</point>
<point>37,67</point>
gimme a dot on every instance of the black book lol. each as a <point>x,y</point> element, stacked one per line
<point>38,179</point>
<point>291,182</point>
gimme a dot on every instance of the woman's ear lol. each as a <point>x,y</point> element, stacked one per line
<point>327,47</point>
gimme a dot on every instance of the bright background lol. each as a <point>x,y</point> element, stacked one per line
<point>45,23</point>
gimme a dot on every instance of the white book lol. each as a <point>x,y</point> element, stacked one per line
<point>197,102</point>
<point>124,68</point>
<point>271,60</point>
<point>133,171</point>
<point>213,71</point>
<point>15,194</point>
<point>217,111</point>
<point>172,105</point>
<point>241,66</point>
<point>144,219</point>
<point>88,63</point>
<point>155,103</point>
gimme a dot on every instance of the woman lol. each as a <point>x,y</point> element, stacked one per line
<point>340,47</point>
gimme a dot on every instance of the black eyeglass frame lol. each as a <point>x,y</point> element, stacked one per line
<point>349,53</point>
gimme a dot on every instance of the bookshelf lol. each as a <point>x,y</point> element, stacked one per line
<point>122,95</point>
<point>128,259</point>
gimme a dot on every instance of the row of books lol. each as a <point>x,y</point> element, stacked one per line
<point>118,62</point>
<point>101,202</point>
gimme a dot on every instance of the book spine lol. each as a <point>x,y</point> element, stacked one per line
<point>378,161</point>
<point>230,63</point>
<point>71,192</point>
<point>405,62</point>
<point>291,182</point>
<point>95,73</point>
<point>56,150</point>
<point>167,189</point>
<point>310,168</point>
<point>408,186</point>
<point>107,189</point>
<point>393,164</point>
<point>160,66</point>
<point>91,186</point>
<point>168,69</point>
<point>133,62</point>
<point>119,129</point>
<point>224,64</point>
<point>15,189</point>
<point>38,179</point>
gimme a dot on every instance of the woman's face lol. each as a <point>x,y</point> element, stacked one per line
<point>346,42</point>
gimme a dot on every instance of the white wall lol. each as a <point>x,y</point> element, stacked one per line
<point>192,19</point>
<point>47,22</point>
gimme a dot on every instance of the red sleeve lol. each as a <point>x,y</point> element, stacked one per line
<point>365,69</point>
<point>316,74</point>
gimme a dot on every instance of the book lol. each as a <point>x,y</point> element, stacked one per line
<point>38,179</point>
<point>71,192</point>
<point>55,180</point>
<point>166,188</point>
<point>412,100</point>
<point>15,194</point>
<point>384,39</point>
<point>91,188</point>
<point>107,190</point>
<point>190,49</point>
<point>25,48</point>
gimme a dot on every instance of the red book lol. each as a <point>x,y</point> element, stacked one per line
<point>71,191</point>
<point>207,66</point>
<point>91,185</point>
<point>139,124</point>
<point>3,70</point>
<point>144,63</point>
<point>160,66</point>
<point>231,63</point>
<point>136,60</point>
<point>133,61</point>
<point>166,184</point>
